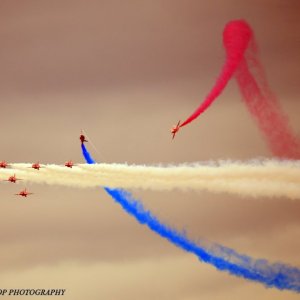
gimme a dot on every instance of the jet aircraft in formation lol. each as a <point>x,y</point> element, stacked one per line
<point>37,166</point>
<point>12,178</point>
<point>24,193</point>
<point>69,164</point>
<point>3,164</point>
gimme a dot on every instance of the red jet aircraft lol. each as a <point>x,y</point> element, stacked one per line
<point>36,166</point>
<point>82,139</point>
<point>175,129</point>
<point>12,179</point>
<point>3,164</point>
<point>24,193</point>
<point>69,164</point>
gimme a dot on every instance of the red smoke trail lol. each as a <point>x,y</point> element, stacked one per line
<point>262,104</point>
<point>265,108</point>
<point>236,35</point>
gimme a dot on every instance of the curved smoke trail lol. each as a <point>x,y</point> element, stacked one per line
<point>241,57</point>
<point>237,35</point>
<point>271,275</point>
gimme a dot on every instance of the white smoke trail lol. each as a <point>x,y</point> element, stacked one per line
<point>268,178</point>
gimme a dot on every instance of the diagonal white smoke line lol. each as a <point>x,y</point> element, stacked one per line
<point>268,178</point>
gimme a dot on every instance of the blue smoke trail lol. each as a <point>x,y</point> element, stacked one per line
<point>271,275</point>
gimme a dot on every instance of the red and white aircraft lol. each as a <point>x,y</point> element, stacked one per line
<point>175,129</point>
<point>69,164</point>
<point>24,193</point>
<point>36,166</point>
<point>12,179</point>
<point>3,164</point>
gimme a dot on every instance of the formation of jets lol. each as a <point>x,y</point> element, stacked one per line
<point>36,166</point>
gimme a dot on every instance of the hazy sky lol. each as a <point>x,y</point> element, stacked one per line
<point>126,71</point>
